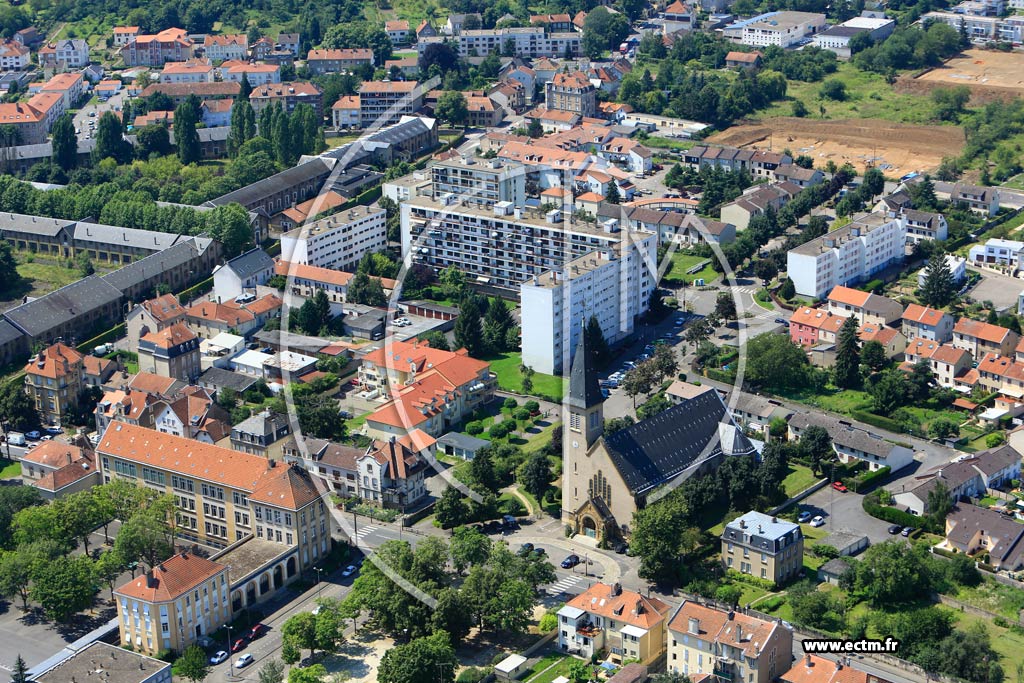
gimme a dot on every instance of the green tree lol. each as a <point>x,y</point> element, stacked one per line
<point>64,586</point>
<point>943,428</point>
<point>243,126</point>
<point>453,282</point>
<point>535,129</point>
<point>662,535</point>
<point>847,367</point>
<point>65,142</point>
<point>468,329</point>
<point>451,107</point>
<point>230,226</point>
<point>774,362</point>
<point>272,672</point>
<point>109,567</point>
<point>496,324</point>
<point>468,547</point>
<point>578,671</point>
<point>10,279</point>
<point>451,615</point>
<point>110,142</point>
<point>833,89</point>
<point>765,269</point>
<point>16,575</point>
<point>892,573</point>
<point>597,345</point>
<point>450,509</point>
<point>872,355</point>
<point>816,446</point>
<point>192,664</point>
<point>154,140</point>
<point>889,392</point>
<point>612,195</point>
<point>535,474</point>
<point>186,139</point>
<point>939,288</point>
<point>300,631</point>
<point>725,306</point>
<point>363,289</point>
<point>20,672</point>
<point>939,503</point>
<point>307,674</point>
<point>424,660</point>
<point>436,339</point>
<point>82,514</point>
<point>603,31</point>
<point>145,537</point>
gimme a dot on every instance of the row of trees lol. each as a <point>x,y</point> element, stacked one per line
<point>38,565</point>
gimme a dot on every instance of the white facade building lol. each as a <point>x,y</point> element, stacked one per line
<point>847,255</point>
<point>784,29</point>
<point>837,38</point>
<point>337,241</point>
<point>529,42</point>
<point>957,267</point>
<point>997,252</point>
<point>614,285</point>
<point>479,181</point>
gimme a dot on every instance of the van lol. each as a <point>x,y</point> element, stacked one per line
<point>16,438</point>
<point>102,349</point>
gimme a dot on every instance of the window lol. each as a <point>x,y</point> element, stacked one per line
<point>240,499</point>
<point>153,476</point>
<point>126,469</point>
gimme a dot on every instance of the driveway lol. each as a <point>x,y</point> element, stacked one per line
<point>1001,290</point>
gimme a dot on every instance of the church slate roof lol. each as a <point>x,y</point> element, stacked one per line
<point>662,447</point>
<point>584,390</point>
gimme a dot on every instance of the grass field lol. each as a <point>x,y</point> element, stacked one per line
<point>10,470</point>
<point>48,277</point>
<point>763,300</point>
<point>868,97</point>
<point>993,597</point>
<point>798,479</point>
<point>506,366</point>
<point>682,262</point>
<point>656,142</point>
<point>356,423</point>
<point>541,440</point>
<point>1007,643</point>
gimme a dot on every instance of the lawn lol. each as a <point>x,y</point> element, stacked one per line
<point>1009,644</point>
<point>868,96</point>
<point>1016,182</point>
<point>47,277</point>
<point>993,597</point>
<point>683,262</point>
<point>656,142</point>
<point>839,401</point>
<point>799,477</point>
<point>506,366</point>
<point>764,300</point>
<point>540,673</point>
<point>540,440</point>
<point>11,471</point>
<point>356,423</point>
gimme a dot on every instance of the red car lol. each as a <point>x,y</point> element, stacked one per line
<point>239,645</point>
<point>257,631</point>
<point>839,486</point>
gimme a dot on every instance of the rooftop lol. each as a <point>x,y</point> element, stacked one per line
<point>171,579</point>
<point>738,630</point>
<point>114,664</point>
<point>766,525</point>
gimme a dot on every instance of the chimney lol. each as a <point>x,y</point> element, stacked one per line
<point>807,660</point>
<point>694,626</point>
<point>739,632</point>
<point>743,523</point>
<point>774,519</point>
<point>839,664</point>
<point>616,589</point>
<point>732,615</point>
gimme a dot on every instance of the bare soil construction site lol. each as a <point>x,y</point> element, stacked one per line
<point>990,75</point>
<point>896,148</point>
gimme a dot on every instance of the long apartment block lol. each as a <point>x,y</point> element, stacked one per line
<point>499,246</point>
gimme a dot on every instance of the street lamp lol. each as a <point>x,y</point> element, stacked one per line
<point>319,586</point>
<point>231,663</point>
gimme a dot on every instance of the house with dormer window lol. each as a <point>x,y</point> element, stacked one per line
<point>625,623</point>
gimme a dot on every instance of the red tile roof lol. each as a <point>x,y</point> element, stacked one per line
<point>628,606</point>
<point>53,454</point>
<point>55,361</point>
<point>717,626</point>
<point>152,384</point>
<point>172,578</point>
<point>924,315</point>
<point>174,335</point>
<point>815,669</point>
<point>165,308</point>
<point>850,297</point>
<point>979,330</point>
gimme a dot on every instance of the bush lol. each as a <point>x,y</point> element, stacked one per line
<point>548,623</point>
<point>824,551</point>
<point>472,675</point>
<point>532,406</point>
<point>771,604</point>
<point>500,430</point>
<point>510,404</point>
<point>995,439</point>
<point>876,420</point>
<point>873,507</point>
<point>752,580</point>
<point>864,480</point>
<point>521,414</point>
<point>474,428</point>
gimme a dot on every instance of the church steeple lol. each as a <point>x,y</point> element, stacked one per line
<point>584,400</point>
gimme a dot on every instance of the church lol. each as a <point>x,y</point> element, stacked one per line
<point>606,478</point>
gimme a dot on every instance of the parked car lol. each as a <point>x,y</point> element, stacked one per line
<point>839,486</point>
<point>345,414</point>
<point>54,431</point>
<point>907,530</point>
<point>257,631</point>
<point>570,562</point>
<point>781,321</point>
<point>349,571</point>
<point>804,517</point>
<point>818,521</point>
<point>525,549</point>
<point>218,657</point>
<point>540,551</point>
<point>509,522</point>
<point>33,435</point>
<point>492,527</point>
<point>239,645</point>
<point>243,661</point>
<point>620,548</point>
<point>895,529</point>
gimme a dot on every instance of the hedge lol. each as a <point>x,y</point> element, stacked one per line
<point>720,375</point>
<point>889,514</point>
<point>876,420</point>
<point>115,332</point>
<point>752,580</point>
<point>862,481</point>
<point>196,290</point>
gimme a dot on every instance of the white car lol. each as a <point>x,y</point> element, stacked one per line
<point>349,570</point>
<point>243,661</point>
<point>818,521</point>
<point>218,657</point>
<point>316,610</point>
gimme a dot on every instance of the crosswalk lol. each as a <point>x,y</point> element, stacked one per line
<point>746,290</point>
<point>365,530</point>
<point>564,584</point>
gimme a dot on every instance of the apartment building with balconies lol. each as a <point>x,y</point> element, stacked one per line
<point>764,547</point>
<point>627,624</point>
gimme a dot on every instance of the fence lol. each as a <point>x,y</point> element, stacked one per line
<point>821,483</point>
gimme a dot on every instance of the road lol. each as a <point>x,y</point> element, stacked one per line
<point>91,113</point>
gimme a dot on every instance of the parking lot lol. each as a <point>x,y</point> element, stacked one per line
<point>91,114</point>
<point>1001,290</point>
